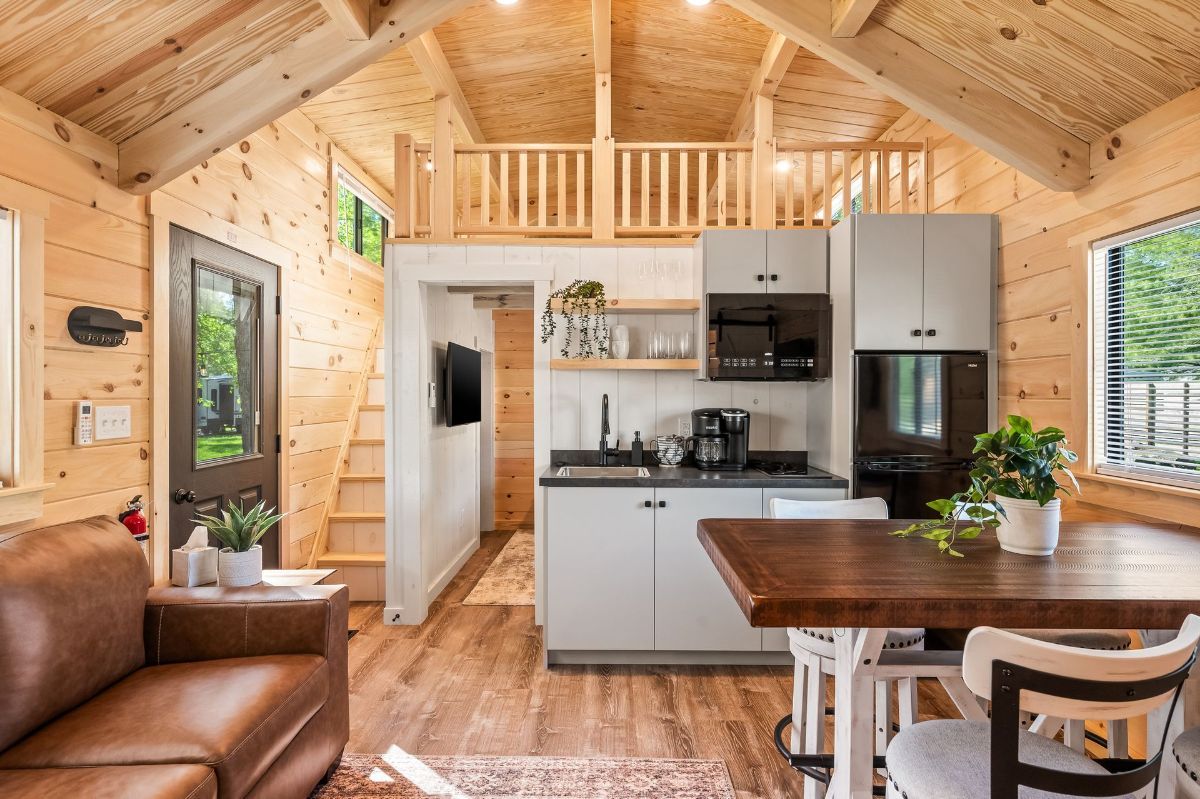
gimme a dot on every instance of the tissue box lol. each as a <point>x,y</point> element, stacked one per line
<point>191,567</point>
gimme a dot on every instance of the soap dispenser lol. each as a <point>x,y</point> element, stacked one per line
<point>635,452</point>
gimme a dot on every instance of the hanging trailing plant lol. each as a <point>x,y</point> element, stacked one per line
<point>583,309</point>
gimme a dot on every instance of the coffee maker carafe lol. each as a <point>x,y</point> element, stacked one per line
<point>720,438</point>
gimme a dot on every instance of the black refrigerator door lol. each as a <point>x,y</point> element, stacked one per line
<point>906,487</point>
<point>920,404</point>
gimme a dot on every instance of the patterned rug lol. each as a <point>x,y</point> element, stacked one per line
<point>509,580</point>
<point>399,775</point>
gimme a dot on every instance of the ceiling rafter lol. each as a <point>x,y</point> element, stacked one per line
<point>935,89</point>
<point>352,16</point>
<point>776,59</point>
<point>850,15</point>
<point>265,91</point>
<point>603,156</point>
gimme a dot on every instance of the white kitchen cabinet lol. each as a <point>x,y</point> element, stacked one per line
<point>735,261</point>
<point>693,608</point>
<point>959,282</point>
<point>924,281</point>
<point>600,568</point>
<point>797,262</point>
<point>888,281</point>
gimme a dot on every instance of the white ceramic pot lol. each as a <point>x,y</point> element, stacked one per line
<point>1030,528</point>
<point>239,568</point>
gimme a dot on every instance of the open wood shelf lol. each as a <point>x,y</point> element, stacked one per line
<point>647,306</point>
<point>656,364</point>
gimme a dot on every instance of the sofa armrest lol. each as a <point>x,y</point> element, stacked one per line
<point>190,624</point>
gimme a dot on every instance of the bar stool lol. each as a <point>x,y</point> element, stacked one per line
<point>951,759</point>
<point>1186,751</point>
<point>813,649</point>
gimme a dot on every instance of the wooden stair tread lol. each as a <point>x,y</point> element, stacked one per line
<point>357,516</point>
<point>362,477</point>
<point>370,407</point>
<point>352,559</point>
<point>366,441</point>
<point>374,375</point>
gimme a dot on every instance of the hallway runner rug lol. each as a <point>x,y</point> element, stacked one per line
<point>399,775</point>
<point>509,580</point>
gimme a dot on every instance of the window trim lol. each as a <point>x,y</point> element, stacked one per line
<point>1097,264</point>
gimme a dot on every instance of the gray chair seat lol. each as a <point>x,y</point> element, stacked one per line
<point>820,641</point>
<point>1186,750</point>
<point>950,759</point>
<point>1104,640</point>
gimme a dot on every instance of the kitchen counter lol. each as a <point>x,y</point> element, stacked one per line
<point>684,476</point>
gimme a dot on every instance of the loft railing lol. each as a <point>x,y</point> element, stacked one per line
<point>654,189</point>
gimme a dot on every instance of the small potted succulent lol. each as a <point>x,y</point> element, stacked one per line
<point>239,561</point>
<point>1014,488</point>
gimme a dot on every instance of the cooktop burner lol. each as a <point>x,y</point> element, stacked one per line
<point>779,468</point>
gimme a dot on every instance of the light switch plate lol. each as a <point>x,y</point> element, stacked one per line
<point>113,421</point>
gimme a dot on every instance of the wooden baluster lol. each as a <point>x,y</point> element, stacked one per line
<point>789,190</point>
<point>485,189</point>
<point>464,163</point>
<point>625,187</point>
<point>664,188</point>
<point>904,186</point>
<point>523,188</point>
<point>406,166</point>
<point>885,180</point>
<point>580,175</point>
<point>741,188</point>
<point>503,198</point>
<point>828,193</point>
<point>561,168</point>
<point>542,189</point>
<point>702,189</point>
<point>722,187</point>
<point>645,188</point>
<point>683,188</point>
<point>868,158</point>
<point>923,177</point>
<point>847,182</point>
<point>808,189</point>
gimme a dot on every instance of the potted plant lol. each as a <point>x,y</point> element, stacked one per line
<point>583,304</point>
<point>1013,487</point>
<point>239,561</point>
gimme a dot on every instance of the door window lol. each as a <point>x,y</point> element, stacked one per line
<point>227,368</point>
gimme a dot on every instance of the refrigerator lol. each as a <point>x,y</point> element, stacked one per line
<point>916,416</point>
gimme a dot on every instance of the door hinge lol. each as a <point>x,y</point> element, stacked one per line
<point>278,304</point>
<point>278,443</point>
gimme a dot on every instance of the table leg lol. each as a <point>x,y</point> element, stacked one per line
<point>857,652</point>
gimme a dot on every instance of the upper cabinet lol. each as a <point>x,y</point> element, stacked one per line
<point>762,261</point>
<point>924,282</point>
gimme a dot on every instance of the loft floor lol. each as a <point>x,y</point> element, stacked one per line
<point>470,681</point>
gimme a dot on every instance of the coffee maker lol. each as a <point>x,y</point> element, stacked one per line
<point>720,438</point>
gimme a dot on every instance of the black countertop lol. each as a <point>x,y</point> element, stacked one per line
<point>683,476</point>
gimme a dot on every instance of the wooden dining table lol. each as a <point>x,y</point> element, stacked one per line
<point>852,576</point>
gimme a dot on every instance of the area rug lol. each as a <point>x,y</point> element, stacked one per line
<point>509,580</point>
<point>399,775</point>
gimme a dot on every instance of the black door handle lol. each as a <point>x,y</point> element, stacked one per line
<point>916,333</point>
<point>662,503</point>
<point>649,504</point>
<point>931,332</point>
<point>183,495</point>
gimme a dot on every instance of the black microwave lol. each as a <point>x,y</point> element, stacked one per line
<point>769,336</point>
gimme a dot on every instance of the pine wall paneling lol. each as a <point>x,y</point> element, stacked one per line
<point>514,492</point>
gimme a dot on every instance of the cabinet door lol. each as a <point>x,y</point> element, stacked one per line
<point>599,568</point>
<point>797,262</point>
<point>735,261</point>
<point>693,608</point>
<point>888,292</point>
<point>960,281</point>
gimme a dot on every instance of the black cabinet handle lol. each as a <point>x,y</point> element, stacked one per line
<point>916,333</point>
<point>662,503</point>
<point>761,278</point>
<point>931,332</point>
<point>774,277</point>
<point>649,504</point>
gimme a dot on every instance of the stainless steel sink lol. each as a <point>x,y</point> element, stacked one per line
<point>604,471</point>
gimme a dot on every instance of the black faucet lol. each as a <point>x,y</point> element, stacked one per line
<point>605,452</point>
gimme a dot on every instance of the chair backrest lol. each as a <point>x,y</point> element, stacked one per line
<point>865,508</point>
<point>987,644</point>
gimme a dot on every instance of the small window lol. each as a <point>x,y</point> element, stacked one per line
<point>1147,353</point>
<point>362,222</point>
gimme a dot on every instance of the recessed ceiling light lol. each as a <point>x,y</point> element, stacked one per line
<point>507,2</point>
<point>698,2</point>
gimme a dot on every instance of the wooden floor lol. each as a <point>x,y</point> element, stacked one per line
<point>470,681</point>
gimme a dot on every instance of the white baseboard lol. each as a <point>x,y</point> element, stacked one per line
<point>397,617</point>
<point>450,571</point>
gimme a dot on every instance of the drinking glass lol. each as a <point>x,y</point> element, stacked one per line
<point>685,344</point>
<point>672,345</point>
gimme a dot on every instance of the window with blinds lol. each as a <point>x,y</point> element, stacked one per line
<point>1147,353</point>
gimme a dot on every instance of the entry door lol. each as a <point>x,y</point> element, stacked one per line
<point>224,375</point>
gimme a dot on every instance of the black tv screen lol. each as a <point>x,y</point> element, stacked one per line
<point>464,372</point>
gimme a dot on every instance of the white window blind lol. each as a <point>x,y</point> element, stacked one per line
<point>1147,353</point>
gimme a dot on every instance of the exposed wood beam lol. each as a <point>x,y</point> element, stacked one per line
<point>933,88</point>
<point>267,90</point>
<point>849,16</point>
<point>776,59</point>
<point>39,121</point>
<point>602,34</point>
<point>352,16</point>
<point>603,154</point>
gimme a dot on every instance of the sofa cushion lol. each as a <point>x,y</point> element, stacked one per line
<point>234,715</point>
<point>72,600</point>
<point>111,782</point>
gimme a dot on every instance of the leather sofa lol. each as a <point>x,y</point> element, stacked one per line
<point>111,689</point>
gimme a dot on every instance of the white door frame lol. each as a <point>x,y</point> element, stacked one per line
<point>407,599</point>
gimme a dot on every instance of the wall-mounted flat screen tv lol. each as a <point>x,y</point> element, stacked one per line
<point>464,373</point>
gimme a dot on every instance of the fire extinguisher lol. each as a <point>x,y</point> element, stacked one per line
<point>133,518</point>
